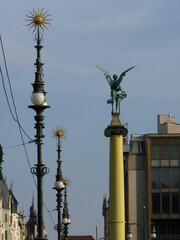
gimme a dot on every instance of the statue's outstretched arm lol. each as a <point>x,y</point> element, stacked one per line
<point>122,75</point>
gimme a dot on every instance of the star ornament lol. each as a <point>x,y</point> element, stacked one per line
<point>38,18</point>
<point>59,133</point>
<point>67,182</point>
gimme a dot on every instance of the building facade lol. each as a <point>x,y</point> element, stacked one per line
<point>153,182</point>
<point>11,220</point>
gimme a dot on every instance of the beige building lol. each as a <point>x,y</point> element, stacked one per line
<point>11,220</point>
<point>153,182</point>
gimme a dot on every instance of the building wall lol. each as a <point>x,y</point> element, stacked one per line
<point>153,180</point>
<point>137,188</point>
<point>166,124</point>
<point>9,221</point>
<point>164,190</point>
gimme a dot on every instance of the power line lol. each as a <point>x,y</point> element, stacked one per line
<point>17,145</point>
<point>16,118</point>
<point>7,95</point>
<point>11,92</point>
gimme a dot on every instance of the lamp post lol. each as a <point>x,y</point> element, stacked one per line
<point>144,228</point>
<point>65,217</point>
<point>39,20</point>
<point>59,134</point>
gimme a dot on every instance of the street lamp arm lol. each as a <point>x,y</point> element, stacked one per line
<point>139,225</point>
<point>153,232</point>
<point>148,226</point>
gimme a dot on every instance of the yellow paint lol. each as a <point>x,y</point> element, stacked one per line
<point>116,189</point>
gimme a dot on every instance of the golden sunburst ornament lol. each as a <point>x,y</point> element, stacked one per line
<point>67,182</point>
<point>38,18</point>
<point>59,133</point>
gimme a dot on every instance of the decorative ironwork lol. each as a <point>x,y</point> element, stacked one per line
<point>42,170</point>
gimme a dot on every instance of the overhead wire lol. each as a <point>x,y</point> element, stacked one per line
<point>17,145</point>
<point>4,88</point>
<point>9,82</point>
<point>16,118</point>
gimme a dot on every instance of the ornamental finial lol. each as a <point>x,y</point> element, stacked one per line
<point>38,19</point>
<point>59,133</point>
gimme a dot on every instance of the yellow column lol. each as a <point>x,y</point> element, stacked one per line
<point>116,190</point>
<point>116,181</point>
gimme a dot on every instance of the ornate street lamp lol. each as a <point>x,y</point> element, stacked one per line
<point>65,217</point>
<point>39,20</point>
<point>143,228</point>
<point>59,134</point>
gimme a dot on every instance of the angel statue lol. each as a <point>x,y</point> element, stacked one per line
<point>117,94</point>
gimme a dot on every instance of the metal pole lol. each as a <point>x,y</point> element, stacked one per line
<point>59,185</point>
<point>39,170</point>
<point>96,232</point>
<point>59,194</point>
<point>66,220</point>
<point>144,226</point>
<point>59,201</point>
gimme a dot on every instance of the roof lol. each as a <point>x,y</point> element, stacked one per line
<point>14,203</point>
<point>4,194</point>
<point>88,237</point>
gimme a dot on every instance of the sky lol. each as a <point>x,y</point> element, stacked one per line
<point>115,35</point>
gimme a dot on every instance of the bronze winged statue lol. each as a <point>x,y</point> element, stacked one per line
<point>117,94</point>
<point>1,155</point>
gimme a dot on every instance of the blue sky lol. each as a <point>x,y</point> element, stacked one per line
<point>115,35</point>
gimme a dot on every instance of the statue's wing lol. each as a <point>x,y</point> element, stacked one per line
<point>106,73</point>
<point>1,154</point>
<point>122,75</point>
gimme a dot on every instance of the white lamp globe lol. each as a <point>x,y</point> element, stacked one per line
<point>129,235</point>
<point>45,103</point>
<point>65,221</point>
<point>59,185</point>
<point>153,235</point>
<point>37,98</point>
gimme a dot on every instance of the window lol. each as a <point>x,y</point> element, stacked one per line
<point>155,178</point>
<point>6,235</point>
<point>165,178</point>
<point>175,202</point>
<point>155,152</point>
<point>155,141</point>
<point>174,152</point>
<point>156,203</point>
<point>168,229</point>
<point>155,156</point>
<point>165,175</point>
<point>165,150</point>
<point>5,217</point>
<point>165,203</point>
<point>174,177</point>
